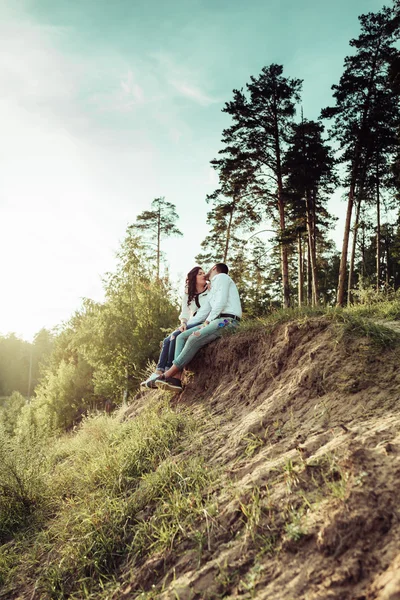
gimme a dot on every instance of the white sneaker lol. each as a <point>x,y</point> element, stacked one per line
<point>149,382</point>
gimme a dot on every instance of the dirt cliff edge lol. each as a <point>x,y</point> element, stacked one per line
<point>303,423</point>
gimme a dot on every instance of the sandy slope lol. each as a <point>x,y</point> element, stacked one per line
<point>305,427</point>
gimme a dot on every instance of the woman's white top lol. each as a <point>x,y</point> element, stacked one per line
<point>192,313</point>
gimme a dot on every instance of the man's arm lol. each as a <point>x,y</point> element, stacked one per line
<point>203,311</point>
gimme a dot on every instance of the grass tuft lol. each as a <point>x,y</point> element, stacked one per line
<point>355,321</point>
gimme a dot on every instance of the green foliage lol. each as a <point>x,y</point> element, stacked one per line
<point>20,362</point>
<point>366,113</point>
<point>352,324</point>
<point>160,221</point>
<point>118,337</point>
<point>60,398</point>
<point>23,485</point>
<point>250,169</point>
<point>10,411</point>
<point>294,528</point>
<point>101,353</point>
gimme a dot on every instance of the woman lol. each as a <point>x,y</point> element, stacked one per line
<point>195,308</point>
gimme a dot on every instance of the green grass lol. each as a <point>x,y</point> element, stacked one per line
<point>279,316</point>
<point>355,321</point>
<point>24,498</point>
<point>389,310</point>
<point>268,524</point>
<point>113,494</point>
<point>353,324</point>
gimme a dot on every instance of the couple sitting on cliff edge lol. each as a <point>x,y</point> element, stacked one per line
<point>207,308</point>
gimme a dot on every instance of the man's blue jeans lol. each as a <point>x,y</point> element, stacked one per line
<point>168,349</point>
<point>189,342</point>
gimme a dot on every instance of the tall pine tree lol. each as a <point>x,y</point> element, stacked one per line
<point>364,83</point>
<point>254,144</point>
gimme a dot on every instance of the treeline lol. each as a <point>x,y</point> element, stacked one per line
<point>21,362</point>
<point>277,169</point>
<point>98,358</point>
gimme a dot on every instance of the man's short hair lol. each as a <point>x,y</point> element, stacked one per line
<point>221,268</point>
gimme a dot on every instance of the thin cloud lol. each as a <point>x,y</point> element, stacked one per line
<point>182,80</point>
<point>132,89</point>
<point>125,95</point>
<point>192,92</point>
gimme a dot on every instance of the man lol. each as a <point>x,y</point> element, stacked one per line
<point>225,311</point>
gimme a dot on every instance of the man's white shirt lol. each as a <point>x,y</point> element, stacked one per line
<point>224,297</point>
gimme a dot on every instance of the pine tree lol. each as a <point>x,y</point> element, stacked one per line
<point>361,88</point>
<point>254,144</point>
<point>158,223</point>
<point>309,167</point>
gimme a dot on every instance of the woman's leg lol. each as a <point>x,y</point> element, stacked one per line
<point>172,345</point>
<point>163,361</point>
<point>171,349</point>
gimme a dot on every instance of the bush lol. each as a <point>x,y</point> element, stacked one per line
<point>11,410</point>
<point>23,486</point>
<point>112,493</point>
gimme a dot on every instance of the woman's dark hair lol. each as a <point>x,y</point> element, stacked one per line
<point>191,285</point>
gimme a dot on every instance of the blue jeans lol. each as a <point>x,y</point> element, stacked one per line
<point>168,349</point>
<point>190,342</point>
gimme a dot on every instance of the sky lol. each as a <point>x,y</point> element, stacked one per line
<point>105,106</point>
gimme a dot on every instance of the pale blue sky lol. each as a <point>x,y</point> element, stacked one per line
<point>108,104</point>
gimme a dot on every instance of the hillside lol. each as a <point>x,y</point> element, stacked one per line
<point>306,428</point>
<point>295,428</point>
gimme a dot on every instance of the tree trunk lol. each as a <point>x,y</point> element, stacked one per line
<point>353,251</point>
<point>363,267</point>
<point>309,274</point>
<point>345,245</point>
<point>158,242</point>
<point>387,259</point>
<point>304,267</point>
<point>314,247</point>
<point>228,235</point>
<point>353,181</point>
<point>300,269</point>
<point>281,208</point>
<point>378,236</point>
<point>310,218</point>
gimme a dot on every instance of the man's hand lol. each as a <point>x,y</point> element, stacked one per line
<point>183,327</point>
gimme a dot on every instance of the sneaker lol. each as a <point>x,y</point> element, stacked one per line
<point>169,383</point>
<point>150,382</point>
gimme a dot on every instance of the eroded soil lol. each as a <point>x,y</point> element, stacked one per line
<point>304,427</point>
